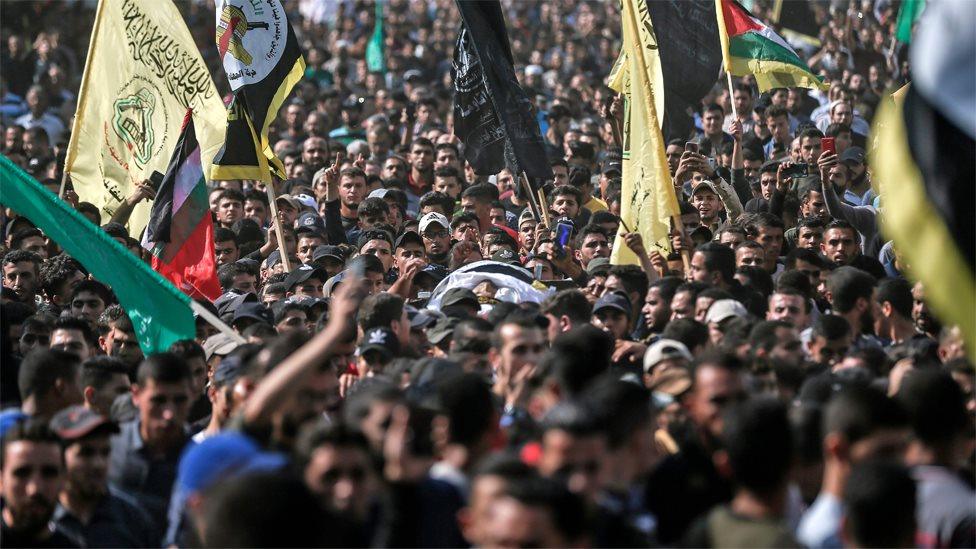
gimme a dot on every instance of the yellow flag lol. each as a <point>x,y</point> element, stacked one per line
<point>142,73</point>
<point>647,200</point>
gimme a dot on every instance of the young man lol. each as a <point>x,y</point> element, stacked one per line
<point>102,380</point>
<point>591,242</point>
<point>87,509</point>
<point>477,200</point>
<point>21,274</point>
<point>860,424</point>
<point>705,199</point>
<point>447,181</point>
<point>892,311</point>
<point>767,229</point>
<point>230,208</point>
<point>225,246</point>
<point>435,229</point>
<point>758,443</point>
<point>75,336</point>
<point>32,471</point>
<point>777,121</point>
<point>421,175</point>
<point>147,449</point>
<point>59,276</point>
<point>612,314</point>
<point>851,293</point>
<point>89,298</point>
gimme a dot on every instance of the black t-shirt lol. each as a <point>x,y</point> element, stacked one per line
<point>17,538</point>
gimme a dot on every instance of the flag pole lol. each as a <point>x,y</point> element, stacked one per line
<point>735,115</point>
<point>64,172</point>
<point>533,202</point>
<point>214,321</point>
<point>269,187</point>
<point>545,210</point>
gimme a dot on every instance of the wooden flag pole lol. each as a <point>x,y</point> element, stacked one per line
<point>64,171</point>
<point>269,187</point>
<point>545,210</point>
<point>533,201</point>
<point>735,115</point>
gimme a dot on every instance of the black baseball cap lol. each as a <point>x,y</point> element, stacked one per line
<point>380,339</point>
<point>328,250</point>
<point>303,273</point>
<point>406,237</point>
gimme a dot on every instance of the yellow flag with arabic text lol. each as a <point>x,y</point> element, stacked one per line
<point>647,201</point>
<point>142,73</point>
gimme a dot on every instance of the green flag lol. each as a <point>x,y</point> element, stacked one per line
<point>907,15</point>
<point>375,59</point>
<point>160,313</point>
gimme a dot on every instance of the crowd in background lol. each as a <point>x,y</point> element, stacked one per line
<point>440,368</point>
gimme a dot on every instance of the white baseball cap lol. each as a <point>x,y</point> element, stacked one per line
<point>433,217</point>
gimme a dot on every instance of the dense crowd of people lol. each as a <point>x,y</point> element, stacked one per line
<point>438,367</point>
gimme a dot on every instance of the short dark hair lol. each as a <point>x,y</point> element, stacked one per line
<point>482,192</point>
<point>318,434</point>
<point>463,217</point>
<point>775,111</point>
<point>759,441</point>
<point>187,349</point>
<point>686,330</point>
<point>33,429</point>
<point>666,287</point>
<point>373,206</point>
<point>634,279</point>
<point>720,258</point>
<point>623,407</point>
<point>571,303</point>
<point>41,368</point>
<point>225,235</point>
<point>466,400</point>
<point>79,324</point>
<point>587,230</point>
<point>845,225</point>
<point>935,404</point>
<point>830,327</point>
<point>163,368</point>
<point>567,190</point>
<point>811,133</point>
<point>231,194</point>
<point>227,272</point>
<point>437,199</point>
<point>857,412</point>
<point>879,502</point>
<point>87,208</point>
<point>379,310</point>
<point>847,285</point>
<point>18,237</point>
<point>98,371</point>
<point>897,292</point>
<point>95,287</point>
<point>21,256</point>
<point>258,196</point>
<point>837,128</point>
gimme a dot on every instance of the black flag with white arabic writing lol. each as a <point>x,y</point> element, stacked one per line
<point>493,116</point>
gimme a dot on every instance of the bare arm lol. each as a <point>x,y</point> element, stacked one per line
<point>283,382</point>
<point>143,191</point>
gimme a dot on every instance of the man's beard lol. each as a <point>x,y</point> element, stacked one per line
<point>33,516</point>
<point>82,488</point>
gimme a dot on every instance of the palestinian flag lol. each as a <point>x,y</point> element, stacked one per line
<point>749,46</point>
<point>180,229</point>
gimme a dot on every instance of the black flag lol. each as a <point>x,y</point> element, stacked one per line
<point>493,117</point>
<point>691,58</point>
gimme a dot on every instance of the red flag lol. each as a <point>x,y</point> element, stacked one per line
<point>180,230</point>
